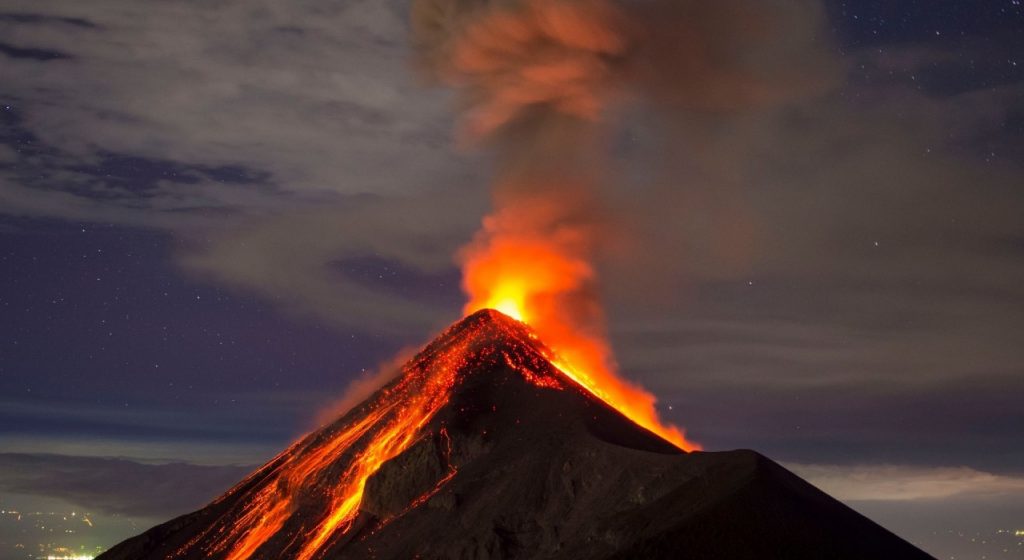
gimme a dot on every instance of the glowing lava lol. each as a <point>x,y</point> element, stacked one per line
<point>393,423</point>
<point>306,501</point>
<point>544,279</point>
<point>309,496</point>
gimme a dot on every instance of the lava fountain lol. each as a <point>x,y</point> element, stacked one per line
<point>544,278</point>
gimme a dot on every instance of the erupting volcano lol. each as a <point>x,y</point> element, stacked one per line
<point>511,435</point>
<point>483,448</point>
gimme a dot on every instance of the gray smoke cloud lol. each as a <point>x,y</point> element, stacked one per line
<point>547,84</point>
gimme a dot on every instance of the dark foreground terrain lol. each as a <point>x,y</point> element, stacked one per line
<point>516,461</point>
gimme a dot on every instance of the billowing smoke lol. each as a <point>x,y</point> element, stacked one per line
<point>522,64</point>
<point>536,80</point>
<point>517,62</point>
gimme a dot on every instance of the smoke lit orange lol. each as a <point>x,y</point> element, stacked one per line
<point>542,277</point>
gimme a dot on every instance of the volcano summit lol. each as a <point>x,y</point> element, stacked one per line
<point>483,449</point>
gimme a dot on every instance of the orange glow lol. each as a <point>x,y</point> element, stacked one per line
<point>543,278</point>
<point>516,272</point>
<point>512,57</point>
<point>301,503</point>
<point>395,423</point>
<point>304,476</point>
<point>273,504</point>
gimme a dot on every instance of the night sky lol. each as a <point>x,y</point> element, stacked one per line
<point>216,216</point>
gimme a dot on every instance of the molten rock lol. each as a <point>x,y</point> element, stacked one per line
<point>483,449</point>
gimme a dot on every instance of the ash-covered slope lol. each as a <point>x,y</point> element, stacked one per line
<point>482,449</point>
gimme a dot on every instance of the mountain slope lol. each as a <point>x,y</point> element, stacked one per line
<point>482,449</point>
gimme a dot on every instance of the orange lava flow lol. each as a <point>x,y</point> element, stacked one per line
<point>306,474</point>
<point>303,502</point>
<point>542,279</point>
<point>393,438</point>
<point>273,504</point>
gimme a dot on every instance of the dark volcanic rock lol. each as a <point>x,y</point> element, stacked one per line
<point>507,468</point>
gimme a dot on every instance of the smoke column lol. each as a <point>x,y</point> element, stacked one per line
<point>535,77</point>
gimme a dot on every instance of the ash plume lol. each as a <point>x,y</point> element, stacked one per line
<point>524,66</point>
<point>536,80</point>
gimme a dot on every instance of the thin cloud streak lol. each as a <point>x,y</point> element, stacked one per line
<point>117,486</point>
<point>908,483</point>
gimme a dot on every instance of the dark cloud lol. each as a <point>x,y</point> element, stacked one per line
<point>216,134</point>
<point>204,93</point>
<point>108,177</point>
<point>851,249</point>
<point>41,55</point>
<point>294,259</point>
<point>117,486</point>
<point>41,19</point>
